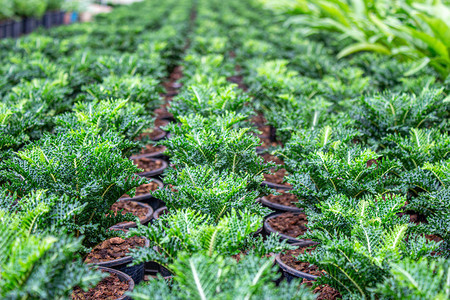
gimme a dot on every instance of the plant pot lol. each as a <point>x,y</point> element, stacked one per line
<point>289,239</point>
<point>156,172</point>
<point>278,207</point>
<point>291,273</point>
<point>148,199</point>
<point>61,17</point>
<point>136,272</point>
<point>159,212</point>
<point>16,29</point>
<point>144,221</point>
<point>47,20</point>
<point>148,155</point>
<point>29,25</point>
<point>5,29</point>
<point>153,268</point>
<point>122,277</point>
<point>276,186</point>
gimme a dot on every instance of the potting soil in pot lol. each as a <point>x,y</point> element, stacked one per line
<point>290,224</point>
<point>108,288</point>
<point>290,259</point>
<point>277,177</point>
<point>144,189</point>
<point>130,207</point>
<point>148,164</point>
<point>149,149</point>
<point>324,292</point>
<point>271,158</point>
<point>114,248</point>
<point>286,199</point>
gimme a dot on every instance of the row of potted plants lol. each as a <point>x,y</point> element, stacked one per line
<point>19,17</point>
<point>343,179</point>
<point>73,139</point>
<point>349,136</point>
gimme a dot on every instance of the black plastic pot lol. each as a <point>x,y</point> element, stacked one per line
<point>47,20</point>
<point>276,186</point>
<point>160,211</point>
<point>156,172</point>
<point>29,25</point>
<point>128,225</point>
<point>291,273</point>
<point>147,198</point>
<point>154,268</point>
<point>17,28</point>
<point>56,18</point>
<point>122,277</point>
<point>279,207</point>
<point>5,29</point>
<point>148,155</point>
<point>124,265</point>
<point>289,239</point>
<point>163,135</point>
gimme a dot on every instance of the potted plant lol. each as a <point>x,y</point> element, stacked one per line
<point>6,22</point>
<point>31,11</point>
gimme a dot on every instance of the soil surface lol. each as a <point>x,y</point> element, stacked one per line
<point>144,189</point>
<point>286,198</point>
<point>290,224</point>
<point>149,149</point>
<point>324,292</point>
<point>277,177</point>
<point>113,248</point>
<point>130,207</point>
<point>153,134</point>
<point>290,259</point>
<point>148,164</point>
<point>272,158</point>
<point>108,288</point>
<point>266,143</point>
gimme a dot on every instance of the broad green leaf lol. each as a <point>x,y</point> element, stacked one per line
<point>363,47</point>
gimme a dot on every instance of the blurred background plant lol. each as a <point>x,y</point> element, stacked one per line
<point>416,30</point>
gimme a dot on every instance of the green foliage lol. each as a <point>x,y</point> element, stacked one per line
<point>423,279</point>
<point>209,101</point>
<point>30,8</point>
<point>6,9</point>
<point>306,141</point>
<point>430,189</point>
<point>217,277</point>
<point>87,168</point>
<point>211,192</point>
<point>142,89</point>
<point>191,232</point>
<point>351,171</point>
<point>358,239</point>
<point>214,142</point>
<point>16,126</point>
<point>37,265</point>
<point>126,118</point>
<point>420,147</point>
<point>391,113</point>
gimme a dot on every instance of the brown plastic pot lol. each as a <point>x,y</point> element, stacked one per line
<point>144,221</point>
<point>136,272</point>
